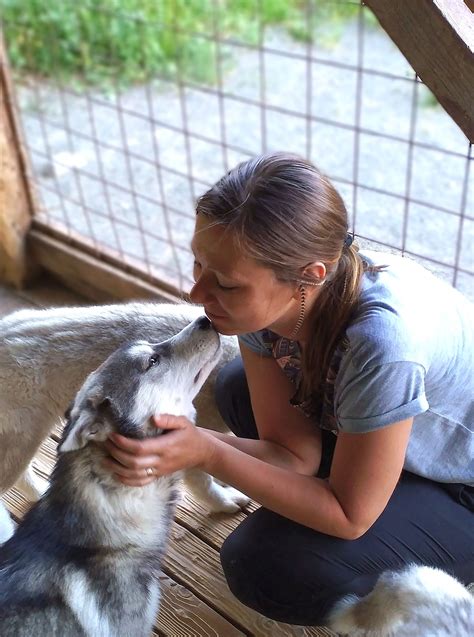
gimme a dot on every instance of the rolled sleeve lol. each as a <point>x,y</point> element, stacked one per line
<point>380,396</point>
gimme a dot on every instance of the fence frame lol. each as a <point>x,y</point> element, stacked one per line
<point>17,204</point>
<point>416,26</point>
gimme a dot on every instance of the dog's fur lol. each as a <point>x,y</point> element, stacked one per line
<point>417,601</point>
<point>45,355</point>
<point>85,559</point>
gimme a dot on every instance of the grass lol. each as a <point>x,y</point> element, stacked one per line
<point>130,41</point>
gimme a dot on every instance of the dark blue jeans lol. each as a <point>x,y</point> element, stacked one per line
<point>293,574</point>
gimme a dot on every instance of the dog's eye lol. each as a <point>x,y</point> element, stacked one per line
<point>153,360</point>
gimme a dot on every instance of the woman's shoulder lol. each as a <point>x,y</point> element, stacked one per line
<point>389,321</point>
<point>375,339</point>
<point>406,313</point>
<point>400,280</point>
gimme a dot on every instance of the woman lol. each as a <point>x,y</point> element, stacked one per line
<point>351,401</point>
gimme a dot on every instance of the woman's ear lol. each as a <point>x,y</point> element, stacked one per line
<point>315,271</point>
<point>314,274</point>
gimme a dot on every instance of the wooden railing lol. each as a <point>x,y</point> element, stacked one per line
<point>437,38</point>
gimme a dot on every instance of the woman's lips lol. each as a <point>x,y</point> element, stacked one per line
<point>211,315</point>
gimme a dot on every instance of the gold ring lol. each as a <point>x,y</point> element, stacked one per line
<point>150,471</point>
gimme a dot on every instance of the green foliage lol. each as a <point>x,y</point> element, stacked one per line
<point>96,41</point>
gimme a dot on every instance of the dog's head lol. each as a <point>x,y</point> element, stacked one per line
<point>140,380</point>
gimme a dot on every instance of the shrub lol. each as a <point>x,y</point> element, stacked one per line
<point>133,40</point>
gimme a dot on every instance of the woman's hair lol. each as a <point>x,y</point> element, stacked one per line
<point>285,214</point>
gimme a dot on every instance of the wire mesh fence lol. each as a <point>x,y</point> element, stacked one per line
<point>129,116</point>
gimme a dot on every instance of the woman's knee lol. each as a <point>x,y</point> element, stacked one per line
<point>284,578</point>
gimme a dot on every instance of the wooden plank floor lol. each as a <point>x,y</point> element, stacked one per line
<point>196,601</point>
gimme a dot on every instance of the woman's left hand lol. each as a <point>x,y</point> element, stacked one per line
<point>138,462</point>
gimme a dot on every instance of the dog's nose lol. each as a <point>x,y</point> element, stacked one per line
<point>203,323</point>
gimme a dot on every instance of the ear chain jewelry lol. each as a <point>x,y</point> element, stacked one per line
<point>300,320</point>
<point>301,317</point>
<point>347,244</point>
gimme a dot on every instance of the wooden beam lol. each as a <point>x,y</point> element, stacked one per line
<point>16,199</point>
<point>437,39</point>
<point>90,276</point>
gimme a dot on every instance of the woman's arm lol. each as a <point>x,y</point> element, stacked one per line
<point>287,438</point>
<point>364,473</point>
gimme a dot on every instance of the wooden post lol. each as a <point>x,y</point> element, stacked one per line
<point>437,38</point>
<point>16,201</point>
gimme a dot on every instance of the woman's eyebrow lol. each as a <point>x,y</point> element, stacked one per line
<point>227,275</point>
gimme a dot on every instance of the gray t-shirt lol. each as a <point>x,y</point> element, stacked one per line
<point>408,352</point>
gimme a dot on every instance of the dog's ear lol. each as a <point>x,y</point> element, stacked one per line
<point>92,423</point>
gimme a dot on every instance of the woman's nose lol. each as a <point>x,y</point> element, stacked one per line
<point>198,293</point>
<point>194,294</point>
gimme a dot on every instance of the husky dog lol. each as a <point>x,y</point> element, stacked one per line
<point>418,601</point>
<point>45,355</point>
<point>84,561</point>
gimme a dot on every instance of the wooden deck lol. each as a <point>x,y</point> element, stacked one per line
<point>196,601</point>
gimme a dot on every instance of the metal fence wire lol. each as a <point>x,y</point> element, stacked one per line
<point>119,154</point>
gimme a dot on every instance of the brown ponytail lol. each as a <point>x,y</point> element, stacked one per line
<point>329,318</point>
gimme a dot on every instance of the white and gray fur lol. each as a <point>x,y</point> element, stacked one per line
<point>45,355</point>
<point>85,559</point>
<point>418,601</point>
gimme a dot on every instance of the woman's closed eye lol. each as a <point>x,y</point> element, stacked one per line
<point>197,268</point>
<point>226,287</point>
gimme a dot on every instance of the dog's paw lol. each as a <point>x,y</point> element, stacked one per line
<point>238,498</point>
<point>226,499</point>
<point>216,497</point>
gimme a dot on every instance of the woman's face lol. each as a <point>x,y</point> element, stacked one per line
<point>238,294</point>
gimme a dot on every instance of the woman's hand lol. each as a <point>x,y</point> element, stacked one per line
<point>138,462</point>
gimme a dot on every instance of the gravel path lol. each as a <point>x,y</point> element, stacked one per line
<point>99,141</point>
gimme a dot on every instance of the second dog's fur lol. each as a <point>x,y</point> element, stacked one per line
<point>417,601</point>
<point>84,561</point>
<point>45,355</point>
